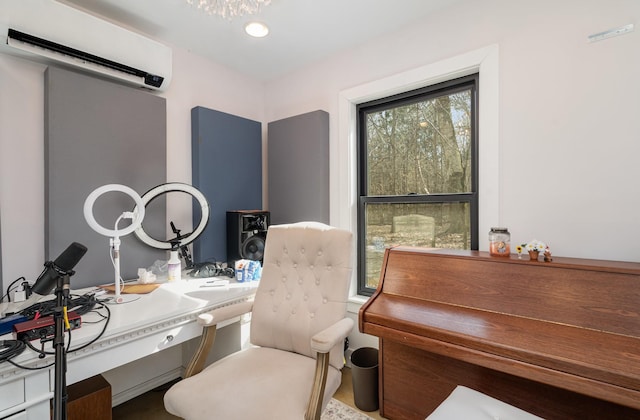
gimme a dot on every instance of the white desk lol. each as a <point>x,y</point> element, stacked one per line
<point>156,321</point>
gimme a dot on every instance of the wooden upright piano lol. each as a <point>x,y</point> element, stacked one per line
<point>559,339</point>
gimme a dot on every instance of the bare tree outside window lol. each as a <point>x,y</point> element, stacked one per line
<point>417,173</point>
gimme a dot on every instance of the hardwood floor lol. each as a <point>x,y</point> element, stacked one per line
<point>149,406</point>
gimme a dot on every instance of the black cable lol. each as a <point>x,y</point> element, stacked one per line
<point>42,353</point>
<point>80,304</point>
<point>23,344</point>
<point>83,304</point>
<point>31,368</point>
<point>44,308</point>
<point>103,317</point>
<point>9,289</point>
<point>106,320</point>
<point>10,349</point>
<point>104,328</point>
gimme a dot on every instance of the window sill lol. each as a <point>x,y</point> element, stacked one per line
<point>355,302</point>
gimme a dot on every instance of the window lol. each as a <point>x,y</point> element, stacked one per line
<point>417,173</point>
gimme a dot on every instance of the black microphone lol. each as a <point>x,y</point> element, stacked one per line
<point>47,280</point>
<point>62,266</point>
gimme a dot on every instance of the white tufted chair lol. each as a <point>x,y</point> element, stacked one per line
<point>298,327</point>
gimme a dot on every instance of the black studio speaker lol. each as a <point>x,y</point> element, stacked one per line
<point>246,235</point>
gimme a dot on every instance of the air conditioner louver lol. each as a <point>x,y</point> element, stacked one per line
<point>76,39</point>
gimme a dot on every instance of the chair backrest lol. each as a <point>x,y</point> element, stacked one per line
<point>304,287</point>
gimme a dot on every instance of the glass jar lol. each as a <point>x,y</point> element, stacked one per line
<point>499,242</point>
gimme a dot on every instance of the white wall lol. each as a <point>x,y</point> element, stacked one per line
<point>21,168</point>
<point>567,130</point>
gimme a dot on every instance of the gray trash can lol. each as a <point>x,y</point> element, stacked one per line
<point>364,373</point>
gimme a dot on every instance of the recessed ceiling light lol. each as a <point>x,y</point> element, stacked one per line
<point>256,29</point>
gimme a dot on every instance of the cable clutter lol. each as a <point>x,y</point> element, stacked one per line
<point>76,307</point>
<point>211,269</point>
<point>24,284</point>
<point>10,349</point>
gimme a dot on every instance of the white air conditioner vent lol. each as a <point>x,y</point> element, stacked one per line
<point>50,32</point>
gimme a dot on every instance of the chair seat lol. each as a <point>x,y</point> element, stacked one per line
<point>252,394</point>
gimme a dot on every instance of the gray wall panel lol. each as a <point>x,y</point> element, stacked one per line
<point>298,168</point>
<point>227,168</point>
<point>1,277</point>
<point>96,133</point>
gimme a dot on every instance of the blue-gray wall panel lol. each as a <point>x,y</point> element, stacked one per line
<point>227,168</point>
<point>298,149</point>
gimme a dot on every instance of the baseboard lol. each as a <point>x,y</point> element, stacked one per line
<point>147,386</point>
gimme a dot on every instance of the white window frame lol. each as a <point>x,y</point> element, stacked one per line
<point>343,162</point>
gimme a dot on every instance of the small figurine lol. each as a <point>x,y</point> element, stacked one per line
<point>547,255</point>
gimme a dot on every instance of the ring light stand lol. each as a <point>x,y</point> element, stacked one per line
<point>115,234</point>
<point>180,241</point>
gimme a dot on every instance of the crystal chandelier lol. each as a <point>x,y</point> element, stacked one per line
<point>229,9</point>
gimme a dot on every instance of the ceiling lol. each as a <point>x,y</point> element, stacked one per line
<point>301,31</point>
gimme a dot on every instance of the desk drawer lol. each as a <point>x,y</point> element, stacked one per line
<point>12,394</point>
<point>18,416</point>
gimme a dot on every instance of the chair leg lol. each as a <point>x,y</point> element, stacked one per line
<point>200,356</point>
<point>317,392</point>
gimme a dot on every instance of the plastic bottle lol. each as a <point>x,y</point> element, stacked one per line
<point>499,242</point>
<point>174,267</point>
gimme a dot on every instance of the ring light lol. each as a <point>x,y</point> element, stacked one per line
<point>173,187</point>
<point>91,199</point>
<point>115,233</point>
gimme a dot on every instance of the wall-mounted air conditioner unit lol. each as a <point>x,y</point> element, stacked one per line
<point>51,32</point>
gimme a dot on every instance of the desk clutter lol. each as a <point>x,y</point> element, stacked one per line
<point>244,270</point>
<point>147,282</point>
<point>248,270</point>
<point>211,269</point>
<point>36,322</point>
